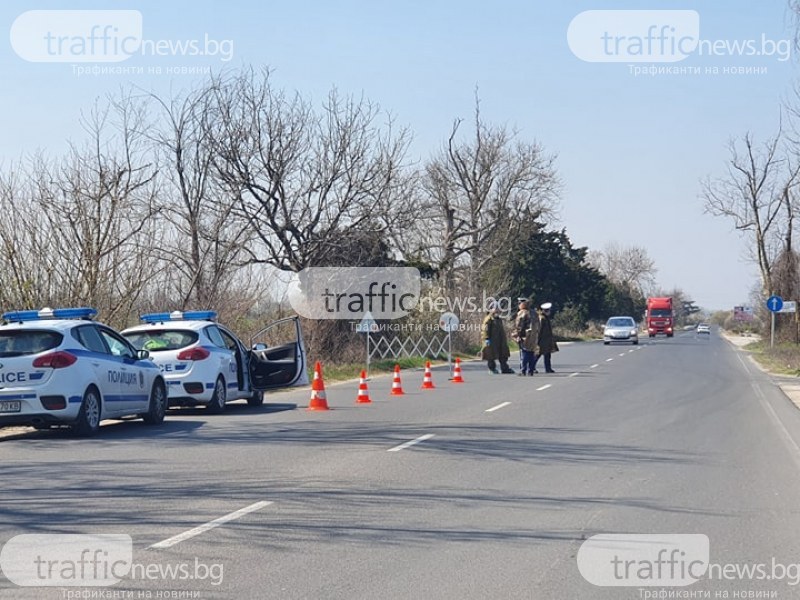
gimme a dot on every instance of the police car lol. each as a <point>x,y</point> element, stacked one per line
<point>205,363</point>
<point>59,367</point>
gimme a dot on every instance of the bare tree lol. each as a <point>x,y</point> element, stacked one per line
<point>627,266</point>
<point>757,195</point>
<point>99,202</point>
<point>481,190</point>
<point>303,177</point>
<point>204,245</point>
<point>25,241</point>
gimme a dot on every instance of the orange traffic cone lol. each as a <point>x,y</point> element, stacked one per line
<point>397,388</point>
<point>427,380</point>
<point>457,372</point>
<point>363,392</point>
<point>318,400</point>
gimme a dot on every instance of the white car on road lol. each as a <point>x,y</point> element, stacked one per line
<point>59,367</point>
<point>206,364</point>
<point>620,329</point>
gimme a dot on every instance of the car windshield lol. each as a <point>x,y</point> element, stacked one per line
<point>660,312</point>
<point>620,322</point>
<point>159,340</point>
<point>22,342</point>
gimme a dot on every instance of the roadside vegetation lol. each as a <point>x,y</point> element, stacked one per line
<point>341,372</point>
<point>212,197</point>
<point>781,359</point>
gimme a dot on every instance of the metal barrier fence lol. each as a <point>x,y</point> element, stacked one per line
<point>394,347</point>
<point>383,346</point>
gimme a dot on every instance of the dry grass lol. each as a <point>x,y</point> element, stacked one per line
<point>783,358</point>
<point>344,372</point>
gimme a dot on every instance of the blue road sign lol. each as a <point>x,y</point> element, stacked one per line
<point>774,303</point>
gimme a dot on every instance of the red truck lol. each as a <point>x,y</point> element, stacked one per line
<point>660,317</point>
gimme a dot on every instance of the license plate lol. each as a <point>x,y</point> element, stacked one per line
<point>9,406</point>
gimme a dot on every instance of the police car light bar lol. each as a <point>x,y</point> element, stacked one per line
<point>50,313</point>
<point>177,315</point>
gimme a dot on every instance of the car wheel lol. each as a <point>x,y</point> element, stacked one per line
<point>88,421</point>
<point>158,405</point>
<point>257,399</point>
<point>217,404</point>
<point>635,342</point>
<point>606,343</point>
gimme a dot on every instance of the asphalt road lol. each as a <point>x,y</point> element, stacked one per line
<point>480,490</point>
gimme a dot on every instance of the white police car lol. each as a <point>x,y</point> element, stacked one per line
<point>205,363</point>
<point>58,367</point>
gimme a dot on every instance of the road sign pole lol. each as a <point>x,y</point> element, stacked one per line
<point>772,332</point>
<point>448,321</point>
<point>449,352</point>
<point>368,336</point>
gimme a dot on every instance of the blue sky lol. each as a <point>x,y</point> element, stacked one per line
<point>631,150</point>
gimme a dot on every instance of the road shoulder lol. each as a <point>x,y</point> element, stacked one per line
<point>789,385</point>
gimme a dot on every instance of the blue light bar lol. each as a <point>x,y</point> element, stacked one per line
<point>50,313</point>
<point>177,315</point>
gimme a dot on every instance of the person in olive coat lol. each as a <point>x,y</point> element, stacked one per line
<point>495,344</point>
<point>526,334</point>
<point>547,342</point>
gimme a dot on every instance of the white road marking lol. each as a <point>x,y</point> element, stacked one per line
<point>572,375</point>
<point>498,407</point>
<point>744,364</point>
<point>786,437</point>
<point>594,366</point>
<point>421,438</point>
<point>544,387</point>
<point>631,350</point>
<point>622,354</point>
<point>210,525</point>
<point>609,359</point>
<point>791,445</point>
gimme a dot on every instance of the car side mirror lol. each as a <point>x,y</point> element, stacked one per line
<point>259,346</point>
<point>142,354</point>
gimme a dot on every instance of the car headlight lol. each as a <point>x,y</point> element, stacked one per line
<point>633,332</point>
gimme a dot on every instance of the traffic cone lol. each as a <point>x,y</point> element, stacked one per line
<point>397,388</point>
<point>427,380</point>
<point>457,372</point>
<point>363,392</point>
<point>318,400</point>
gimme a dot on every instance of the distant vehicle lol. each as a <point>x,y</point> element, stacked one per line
<point>620,329</point>
<point>660,317</point>
<point>206,364</point>
<point>59,367</point>
<point>703,328</point>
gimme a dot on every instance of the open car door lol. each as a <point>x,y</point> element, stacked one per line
<point>276,362</point>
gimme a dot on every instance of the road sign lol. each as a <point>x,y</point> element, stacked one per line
<point>775,303</point>
<point>448,322</point>
<point>367,324</point>
<point>789,306</point>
